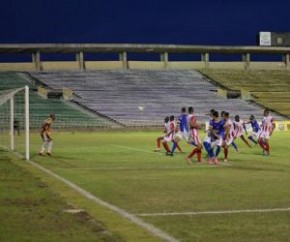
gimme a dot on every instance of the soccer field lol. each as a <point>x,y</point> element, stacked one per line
<point>245,199</point>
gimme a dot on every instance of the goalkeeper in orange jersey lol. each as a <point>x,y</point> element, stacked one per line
<point>46,135</point>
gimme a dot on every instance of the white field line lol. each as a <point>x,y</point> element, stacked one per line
<point>149,227</point>
<point>270,210</point>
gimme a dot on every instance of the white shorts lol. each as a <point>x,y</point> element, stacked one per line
<point>239,134</point>
<point>207,139</point>
<point>217,142</point>
<point>183,135</point>
<point>265,135</point>
<point>256,134</point>
<point>229,140</point>
<point>168,138</point>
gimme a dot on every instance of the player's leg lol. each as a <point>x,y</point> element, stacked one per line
<point>251,137</point>
<point>235,146</point>
<point>44,144</point>
<point>158,141</point>
<point>165,142</point>
<point>245,141</point>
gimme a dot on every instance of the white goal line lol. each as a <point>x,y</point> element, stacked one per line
<point>269,210</point>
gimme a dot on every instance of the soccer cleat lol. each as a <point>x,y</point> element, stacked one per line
<point>49,153</point>
<point>168,153</point>
<point>225,160</point>
<point>41,153</point>
<point>188,160</point>
<point>157,150</point>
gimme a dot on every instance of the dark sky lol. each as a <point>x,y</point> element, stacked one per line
<point>220,22</point>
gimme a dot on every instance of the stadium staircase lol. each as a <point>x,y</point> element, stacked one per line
<point>68,116</point>
<point>267,88</point>
<point>145,97</point>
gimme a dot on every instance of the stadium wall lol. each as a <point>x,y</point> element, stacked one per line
<point>164,51</point>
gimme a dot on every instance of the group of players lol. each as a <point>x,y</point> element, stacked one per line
<point>220,133</point>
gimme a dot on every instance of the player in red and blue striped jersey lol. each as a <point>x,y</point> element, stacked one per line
<point>194,127</point>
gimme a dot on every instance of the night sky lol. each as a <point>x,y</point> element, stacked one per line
<point>209,22</point>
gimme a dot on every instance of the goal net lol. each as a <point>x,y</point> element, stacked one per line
<point>14,120</point>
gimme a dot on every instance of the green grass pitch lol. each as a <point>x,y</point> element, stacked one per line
<point>233,201</point>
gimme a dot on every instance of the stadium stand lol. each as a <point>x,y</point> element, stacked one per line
<point>145,97</point>
<point>68,116</point>
<point>270,89</point>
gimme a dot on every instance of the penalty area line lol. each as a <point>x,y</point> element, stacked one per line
<point>270,210</point>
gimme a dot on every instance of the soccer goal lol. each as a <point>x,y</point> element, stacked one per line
<point>14,120</point>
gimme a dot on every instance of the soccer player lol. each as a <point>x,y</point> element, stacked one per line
<point>229,134</point>
<point>159,139</point>
<point>183,132</point>
<point>169,135</point>
<point>256,129</point>
<point>268,126</point>
<point>213,137</point>
<point>240,129</point>
<point>221,132</point>
<point>46,135</point>
<point>194,127</point>
<point>207,139</point>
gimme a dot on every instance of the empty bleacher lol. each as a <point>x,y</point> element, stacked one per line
<point>268,88</point>
<point>68,116</point>
<point>145,97</point>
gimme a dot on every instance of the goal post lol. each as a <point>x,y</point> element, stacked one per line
<point>14,116</point>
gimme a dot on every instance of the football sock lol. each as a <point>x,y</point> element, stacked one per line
<point>267,147</point>
<point>199,155</point>
<point>193,153</point>
<point>175,144</point>
<point>208,149</point>
<point>226,152</point>
<point>218,150</point>
<point>234,145</point>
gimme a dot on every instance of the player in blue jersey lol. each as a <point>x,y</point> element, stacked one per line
<point>207,139</point>
<point>183,132</point>
<point>212,137</point>
<point>256,129</point>
<point>221,133</point>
